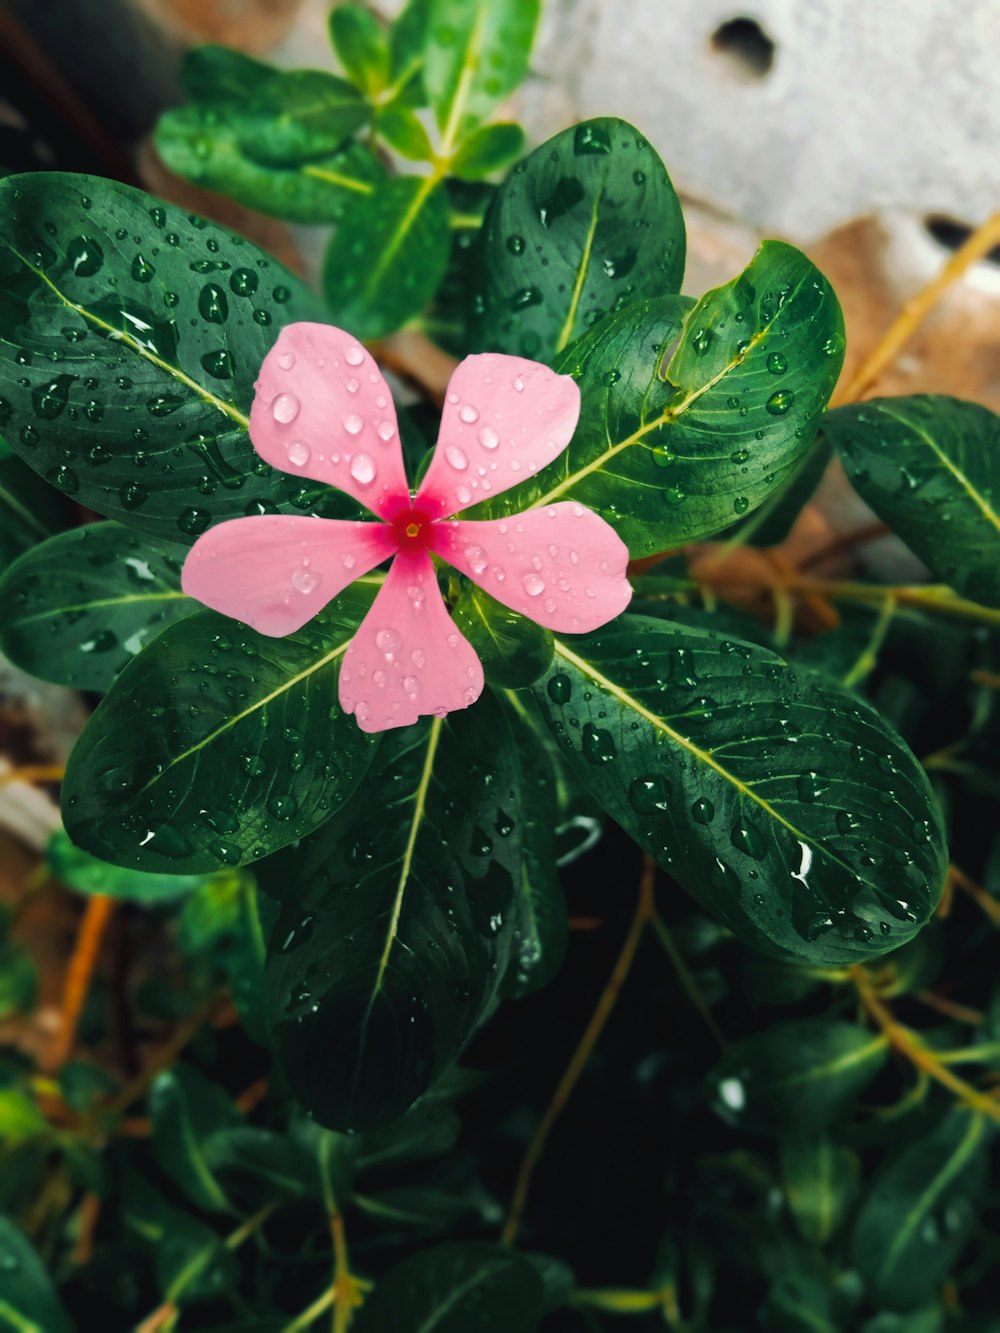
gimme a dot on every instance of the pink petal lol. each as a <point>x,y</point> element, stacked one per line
<point>408,659</point>
<point>563,566</point>
<point>504,419</point>
<point>276,571</point>
<point>322,410</point>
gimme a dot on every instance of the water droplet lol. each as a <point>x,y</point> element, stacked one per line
<point>560,689</point>
<point>740,456</point>
<point>845,822</point>
<point>387,640</point>
<point>253,765</point>
<point>218,364</point>
<point>468,414</point>
<point>64,479</point>
<point>305,580</point>
<point>702,341</point>
<point>354,424</point>
<point>415,592</point>
<point>745,838</point>
<point>598,745</point>
<point>662,455</point>
<point>285,408</point>
<point>363,469</point>
<point>703,811</point>
<point>591,138</point>
<point>533,584</point>
<point>281,295</point>
<point>410,684</point>
<point>243,282</point>
<point>477,558</point>
<point>525,297</point>
<point>675,495</point>
<point>50,399</point>
<point>779,402</point>
<point>286,360</point>
<point>133,494</point>
<point>741,504</point>
<point>648,794</point>
<point>194,521</point>
<point>515,244</point>
<point>456,457</point>
<point>298,453</point>
<point>142,270</point>
<point>419,658</point>
<point>85,256</point>
<point>355,355</point>
<point>385,430</point>
<point>776,363</point>
<point>283,807</point>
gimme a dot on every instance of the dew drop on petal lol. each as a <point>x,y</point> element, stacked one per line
<point>362,469</point>
<point>349,561</point>
<point>476,557</point>
<point>468,414</point>
<point>418,657</point>
<point>410,684</point>
<point>415,592</point>
<point>352,385</point>
<point>550,604</point>
<point>534,585</point>
<point>285,408</point>
<point>354,424</point>
<point>488,437</point>
<point>379,677</point>
<point>519,385</point>
<point>354,355</point>
<point>362,711</point>
<point>385,430</point>
<point>463,494</point>
<point>304,580</point>
<point>298,453</point>
<point>456,457</point>
<point>286,360</point>
<point>387,640</point>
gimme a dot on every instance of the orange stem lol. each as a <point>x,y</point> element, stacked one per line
<point>96,916</point>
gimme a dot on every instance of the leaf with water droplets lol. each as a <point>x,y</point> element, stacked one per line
<point>782,802</point>
<point>670,453</point>
<point>144,416</point>
<point>475,53</point>
<point>77,608</point>
<point>514,650</point>
<point>586,224</point>
<point>927,465</point>
<point>401,925</point>
<point>242,749</point>
<point>87,875</point>
<point>920,1210</point>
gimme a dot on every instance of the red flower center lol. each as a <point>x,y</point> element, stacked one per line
<point>412,529</point>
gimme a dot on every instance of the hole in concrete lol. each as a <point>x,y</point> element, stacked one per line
<point>745,47</point>
<point>951,234</point>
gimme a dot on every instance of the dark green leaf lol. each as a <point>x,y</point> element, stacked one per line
<point>296,116</point>
<point>361,46</point>
<point>457,1288</point>
<point>18,980</point>
<point>477,52</point>
<point>920,1211</point>
<point>86,874</point>
<point>187,1110</point>
<point>400,927</point>
<point>799,1303</point>
<point>914,1321</point>
<point>773,521</point>
<point>193,143</point>
<point>514,651</point>
<point>802,1074</point>
<point>28,1302</point>
<point>927,465</point>
<point>821,1180</point>
<point>388,256</point>
<point>245,955</point>
<point>488,150</point>
<point>77,608</point>
<point>218,73</point>
<point>143,413</point>
<point>779,800</point>
<point>30,511</point>
<point>586,224</point>
<point>243,747</point>
<point>192,1262</point>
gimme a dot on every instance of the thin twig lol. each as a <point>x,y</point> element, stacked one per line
<point>96,916</point>
<point>687,981</point>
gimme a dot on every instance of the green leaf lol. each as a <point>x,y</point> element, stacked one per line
<point>28,1302</point>
<point>920,1211</point>
<point>20,1119</point>
<point>392,945</point>
<point>821,1180</point>
<point>388,255</point>
<point>584,225</point>
<point>297,115</point>
<point>18,980</point>
<point>407,42</point>
<point>476,54</point>
<point>246,954</point>
<point>457,1288</point>
<point>242,749</point>
<point>194,144</point>
<point>361,46</point>
<point>488,150</point>
<point>218,73</point>
<point>514,650</point>
<point>30,511</point>
<point>780,801</point>
<point>771,523</point>
<point>77,608</point>
<point>86,874</point>
<point>143,414</point>
<point>192,1262</point>
<point>801,1074</point>
<point>447,318</point>
<point>187,1110</point>
<point>404,131</point>
<point>799,1303</point>
<point>670,456</point>
<point>927,465</point>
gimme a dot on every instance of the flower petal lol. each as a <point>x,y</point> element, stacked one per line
<point>503,420</point>
<point>408,659</point>
<point>563,566</point>
<point>323,410</point>
<point>276,571</point>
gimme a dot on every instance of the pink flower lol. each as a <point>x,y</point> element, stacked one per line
<point>323,410</point>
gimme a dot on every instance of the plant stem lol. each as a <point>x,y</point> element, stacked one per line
<point>868,658</point>
<point>96,916</point>
<point>34,773</point>
<point>644,912</point>
<point>687,981</point>
<point>976,892</point>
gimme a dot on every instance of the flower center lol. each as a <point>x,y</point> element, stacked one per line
<point>412,529</point>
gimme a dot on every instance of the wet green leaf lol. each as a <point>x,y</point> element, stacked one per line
<point>28,1301</point>
<point>362,47</point>
<point>78,607</point>
<point>187,1111</point>
<point>779,800</point>
<point>586,224</point>
<point>243,748</point>
<point>130,374</point>
<point>927,465</point>
<point>514,650</point>
<point>919,1211</point>
<point>821,1180</point>
<point>296,116</point>
<point>401,925</point>
<point>191,1260</point>
<point>30,511</point>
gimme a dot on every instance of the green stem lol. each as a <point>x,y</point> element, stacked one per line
<point>868,658</point>
<point>687,981</point>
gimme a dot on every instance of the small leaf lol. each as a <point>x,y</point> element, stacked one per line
<point>476,53</point>
<point>28,1301</point>
<point>514,650</point>
<point>488,150</point>
<point>191,1260</point>
<point>296,116</point>
<point>77,608</point>
<point>388,255</point>
<point>187,1111</point>
<point>586,224</point>
<point>927,465</point>
<point>920,1210</point>
<point>801,1074</point>
<point>218,73</point>
<point>401,924</point>
<point>87,875</point>
<point>821,1180</point>
<point>404,131</point>
<point>457,1288</point>
<point>799,1303</point>
<point>361,46</point>
<point>782,802</point>
<point>241,750</point>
